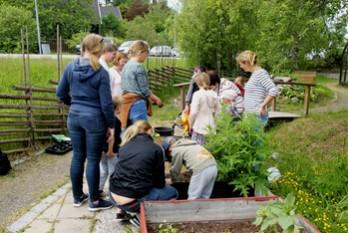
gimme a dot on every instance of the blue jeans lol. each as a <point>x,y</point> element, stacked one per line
<point>156,194</point>
<point>88,134</point>
<point>138,111</point>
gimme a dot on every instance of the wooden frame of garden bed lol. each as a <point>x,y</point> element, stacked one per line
<point>219,209</point>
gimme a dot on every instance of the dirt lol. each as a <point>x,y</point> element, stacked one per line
<point>29,182</point>
<point>205,227</point>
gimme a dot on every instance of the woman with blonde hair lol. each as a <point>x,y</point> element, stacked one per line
<point>85,86</point>
<point>204,106</point>
<point>135,86</point>
<point>259,90</point>
<point>115,73</point>
<point>139,171</point>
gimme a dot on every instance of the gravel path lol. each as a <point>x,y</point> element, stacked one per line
<point>339,103</point>
<point>29,182</point>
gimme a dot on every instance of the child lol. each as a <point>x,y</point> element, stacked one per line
<point>108,55</point>
<point>196,159</point>
<point>203,108</point>
<point>233,97</point>
<point>135,86</point>
<point>108,159</point>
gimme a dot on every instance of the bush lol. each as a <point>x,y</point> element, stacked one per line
<point>239,149</point>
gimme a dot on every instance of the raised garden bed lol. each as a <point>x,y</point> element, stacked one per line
<point>211,215</point>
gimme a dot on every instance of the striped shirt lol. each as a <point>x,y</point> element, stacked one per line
<point>135,79</point>
<point>257,89</point>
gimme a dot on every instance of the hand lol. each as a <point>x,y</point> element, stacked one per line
<point>187,109</point>
<point>262,110</point>
<point>110,154</point>
<point>159,103</point>
<point>169,181</point>
<point>110,135</point>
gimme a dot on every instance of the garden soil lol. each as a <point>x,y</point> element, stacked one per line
<point>29,182</point>
<point>207,227</point>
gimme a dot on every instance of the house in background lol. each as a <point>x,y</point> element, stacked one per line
<point>103,8</point>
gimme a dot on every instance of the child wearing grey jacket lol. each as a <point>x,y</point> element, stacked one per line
<point>188,153</point>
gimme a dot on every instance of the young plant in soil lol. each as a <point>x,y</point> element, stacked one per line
<point>240,151</point>
<point>278,214</point>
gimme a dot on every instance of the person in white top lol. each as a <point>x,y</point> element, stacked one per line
<point>108,55</point>
<point>115,73</point>
<point>204,106</point>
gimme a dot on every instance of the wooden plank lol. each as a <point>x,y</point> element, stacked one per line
<point>13,131</point>
<point>212,210</point>
<point>307,93</point>
<point>282,115</point>
<point>48,130</point>
<point>27,97</point>
<point>43,138</point>
<point>14,123</point>
<point>16,151</point>
<point>13,106</point>
<point>35,89</point>
<point>14,140</point>
<point>13,115</point>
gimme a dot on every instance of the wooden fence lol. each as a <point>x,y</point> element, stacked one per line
<point>30,116</point>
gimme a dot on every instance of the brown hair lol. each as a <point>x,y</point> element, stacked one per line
<point>138,47</point>
<point>247,56</point>
<point>108,47</point>
<point>118,58</point>
<point>203,80</point>
<point>135,129</point>
<point>93,44</point>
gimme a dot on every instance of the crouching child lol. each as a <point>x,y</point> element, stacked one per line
<point>188,153</point>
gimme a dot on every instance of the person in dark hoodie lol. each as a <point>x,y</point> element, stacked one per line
<point>85,86</point>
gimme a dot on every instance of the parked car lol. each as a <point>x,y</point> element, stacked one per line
<point>124,47</point>
<point>175,52</point>
<point>161,51</point>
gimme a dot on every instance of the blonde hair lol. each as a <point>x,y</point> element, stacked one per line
<point>118,58</point>
<point>135,129</point>
<point>203,80</point>
<point>93,44</point>
<point>247,56</point>
<point>240,80</point>
<point>138,47</point>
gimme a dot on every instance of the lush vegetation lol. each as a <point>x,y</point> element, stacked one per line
<point>314,166</point>
<point>240,151</point>
<point>287,34</point>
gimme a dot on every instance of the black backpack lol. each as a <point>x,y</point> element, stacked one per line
<point>5,165</point>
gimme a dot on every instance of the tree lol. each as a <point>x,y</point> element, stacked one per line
<point>138,8</point>
<point>12,20</point>
<point>73,15</point>
<point>112,26</point>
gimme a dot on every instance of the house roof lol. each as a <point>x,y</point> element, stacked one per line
<point>105,10</point>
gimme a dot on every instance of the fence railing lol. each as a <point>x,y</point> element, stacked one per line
<point>33,113</point>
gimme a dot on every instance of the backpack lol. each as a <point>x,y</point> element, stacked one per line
<point>5,165</point>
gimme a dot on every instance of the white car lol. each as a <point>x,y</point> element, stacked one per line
<point>161,51</point>
<point>124,47</point>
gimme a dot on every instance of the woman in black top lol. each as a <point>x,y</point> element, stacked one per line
<point>139,171</point>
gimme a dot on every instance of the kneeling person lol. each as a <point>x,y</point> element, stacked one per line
<point>195,158</point>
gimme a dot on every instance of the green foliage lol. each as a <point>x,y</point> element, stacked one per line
<point>282,32</point>
<point>167,228</point>
<point>239,149</point>
<point>12,20</point>
<point>277,214</point>
<point>73,15</point>
<point>76,39</point>
<point>154,27</point>
<point>112,26</point>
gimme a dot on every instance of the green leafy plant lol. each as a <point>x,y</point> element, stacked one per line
<point>167,228</point>
<point>240,151</point>
<point>278,214</point>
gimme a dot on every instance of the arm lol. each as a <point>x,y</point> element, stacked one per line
<point>189,94</point>
<point>143,81</point>
<point>176,164</point>
<point>63,88</point>
<point>195,105</point>
<point>106,101</point>
<point>159,173</point>
<point>272,92</point>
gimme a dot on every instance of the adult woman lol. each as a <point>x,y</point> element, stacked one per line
<point>137,97</point>
<point>115,73</point>
<point>139,171</point>
<point>259,90</point>
<point>85,86</point>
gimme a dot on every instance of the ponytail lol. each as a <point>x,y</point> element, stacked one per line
<point>135,129</point>
<point>93,44</point>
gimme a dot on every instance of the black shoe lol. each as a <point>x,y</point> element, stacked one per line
<point>80,201</point>
<point>101,205</point>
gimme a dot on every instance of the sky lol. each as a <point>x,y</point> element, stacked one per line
<point>174,4</point>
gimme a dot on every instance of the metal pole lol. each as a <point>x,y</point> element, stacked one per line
<point>38,27</point>
<point>58,50</point>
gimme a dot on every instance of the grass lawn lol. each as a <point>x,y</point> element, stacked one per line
<point>313,161</point>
